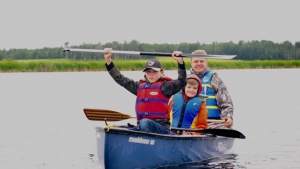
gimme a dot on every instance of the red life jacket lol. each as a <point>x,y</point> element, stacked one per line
<point>150,102</point>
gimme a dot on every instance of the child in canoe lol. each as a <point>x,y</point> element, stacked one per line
<point>153,92</point>
<point>187,109</point>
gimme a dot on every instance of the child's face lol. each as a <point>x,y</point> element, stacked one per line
<point>153,75</point>
<point>191,90</point>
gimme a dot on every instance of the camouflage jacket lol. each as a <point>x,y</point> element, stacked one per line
<point>223,98</point>
<point>168,88</point>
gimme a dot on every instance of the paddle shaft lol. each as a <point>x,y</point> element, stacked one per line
<point>67,49</point>
<point>111,115</point>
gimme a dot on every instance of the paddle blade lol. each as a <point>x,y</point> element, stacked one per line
<point>217,132</point>
<point>225,133</point>
<point>104,115</point>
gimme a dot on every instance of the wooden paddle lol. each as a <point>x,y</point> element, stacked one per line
<point>111,115</point>
<point>105,115</point>
<point>218,132</point>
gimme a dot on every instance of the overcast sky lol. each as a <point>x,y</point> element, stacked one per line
<point>50,23</point>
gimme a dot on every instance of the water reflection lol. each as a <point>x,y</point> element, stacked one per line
<point>228,161</point>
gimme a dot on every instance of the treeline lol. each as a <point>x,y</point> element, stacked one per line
<point>251,50</point>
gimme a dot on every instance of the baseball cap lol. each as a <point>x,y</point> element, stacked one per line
<point>153,64</point>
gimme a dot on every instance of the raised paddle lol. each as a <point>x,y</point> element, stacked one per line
<point>218,132</point>
<point>68,49</point>
<point>111,115</point>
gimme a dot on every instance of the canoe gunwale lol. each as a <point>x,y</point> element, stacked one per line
<point>126,131</point>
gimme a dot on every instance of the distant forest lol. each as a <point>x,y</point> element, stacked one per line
<point>250,50</point>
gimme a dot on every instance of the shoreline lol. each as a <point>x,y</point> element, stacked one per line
<point>64,65</point>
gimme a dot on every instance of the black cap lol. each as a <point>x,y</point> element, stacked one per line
<point>153,64</point>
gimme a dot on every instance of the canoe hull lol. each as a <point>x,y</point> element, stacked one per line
<point>123,148</point>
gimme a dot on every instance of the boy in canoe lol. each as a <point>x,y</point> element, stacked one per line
<point>153,92</point>
<point>187,109</point>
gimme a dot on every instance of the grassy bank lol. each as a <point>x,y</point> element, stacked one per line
<point>62,65</point>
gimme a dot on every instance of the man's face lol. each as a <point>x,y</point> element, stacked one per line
<point>198,64</point>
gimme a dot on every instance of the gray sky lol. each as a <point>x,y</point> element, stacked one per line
<point>50,23</point>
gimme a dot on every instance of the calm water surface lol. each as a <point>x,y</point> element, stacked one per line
<point>42,124</point>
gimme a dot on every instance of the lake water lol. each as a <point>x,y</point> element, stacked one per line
<point>42,124</point>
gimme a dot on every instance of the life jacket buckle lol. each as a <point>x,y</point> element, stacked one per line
<point>145,99</point>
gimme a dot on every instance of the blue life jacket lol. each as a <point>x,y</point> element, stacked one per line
<point>211,102</point>
<point>190,109</point>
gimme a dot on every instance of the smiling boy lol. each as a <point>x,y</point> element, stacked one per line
<point>187,110</point>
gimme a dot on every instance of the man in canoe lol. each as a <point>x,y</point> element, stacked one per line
<point>219,102</point>
<point>187,109</point>
<point>153,92</point>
